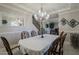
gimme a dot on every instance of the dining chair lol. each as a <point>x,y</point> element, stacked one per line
<point>24,35</point>
<point>33,33</point>
<point>7,46</point>
<point>58,50</point>
<point>61,34</point>
<point>62,43</point>
<point>57,46</point>
<point>52,49</point>
<point>52,31</point>
<point>57,31</point>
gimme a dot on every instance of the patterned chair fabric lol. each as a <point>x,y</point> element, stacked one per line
<point>24,35</point>
<point>33,33</point>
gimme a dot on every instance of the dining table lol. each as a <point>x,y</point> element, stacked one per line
<point>36,45</point>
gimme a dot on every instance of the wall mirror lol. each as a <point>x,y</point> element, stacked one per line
<point>11,21</point>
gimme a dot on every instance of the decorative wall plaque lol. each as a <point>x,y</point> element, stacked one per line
<point>72,23</point>
<point>63,21</point>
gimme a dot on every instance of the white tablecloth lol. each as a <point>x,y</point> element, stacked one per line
<point>36,45</point>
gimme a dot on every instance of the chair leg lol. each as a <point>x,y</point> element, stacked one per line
<point>19,48</point>
<point>61,53</point>
<point>26,54</point>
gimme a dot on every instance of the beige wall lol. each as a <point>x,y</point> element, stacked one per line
<point>68,16</point>
<point>12,17</point>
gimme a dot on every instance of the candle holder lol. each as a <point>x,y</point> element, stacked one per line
<point>41,16</point>
<point>42,36</point>
<point>41,28</point>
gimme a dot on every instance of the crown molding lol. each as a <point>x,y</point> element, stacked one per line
<point>20,9</point>
<point>69,11</point>
<point>60,11</point>
<point>14,9</point>
<point>27,9</point>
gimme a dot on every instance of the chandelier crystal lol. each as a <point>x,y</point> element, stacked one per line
<point>41,14</point>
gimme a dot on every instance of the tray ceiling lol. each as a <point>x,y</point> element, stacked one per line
<point>33,7</point>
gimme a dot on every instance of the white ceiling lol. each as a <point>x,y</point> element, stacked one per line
<point>33,7</point>
<point>47,6</point>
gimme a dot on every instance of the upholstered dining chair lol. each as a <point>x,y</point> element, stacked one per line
<point>24,34</point>
<point>33,33</point>
<point>7,46</point>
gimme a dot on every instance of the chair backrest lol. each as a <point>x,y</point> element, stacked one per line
<point>62,43</point>
<point>63,39</point>
<point>61,34</point>
<point>54,46</point>
<point>24,35</point>
<point>52,31</point>
<point>33,33</point>
<point>57,45</point>
<point>57,31</point>
<point>7,46</point>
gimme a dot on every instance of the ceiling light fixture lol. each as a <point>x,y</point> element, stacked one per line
<point>41,16</point>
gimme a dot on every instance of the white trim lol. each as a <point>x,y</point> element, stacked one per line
<point>15,9</point>
<point>69,11</point>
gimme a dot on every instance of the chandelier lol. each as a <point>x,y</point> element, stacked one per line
<point>41,16</point>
